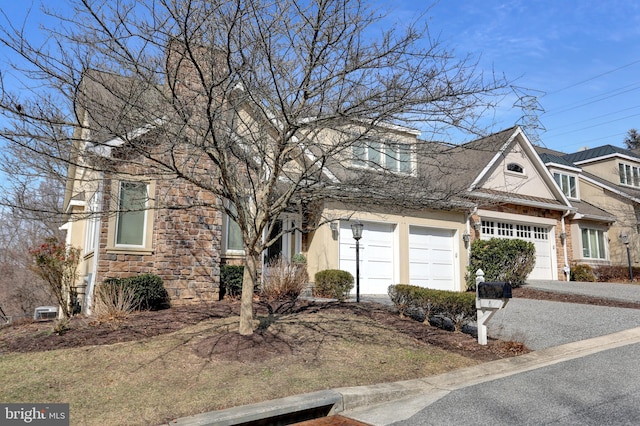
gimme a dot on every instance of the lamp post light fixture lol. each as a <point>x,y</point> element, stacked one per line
<point>356,228</point>
<point>466,238</point>
<point>625,240</point>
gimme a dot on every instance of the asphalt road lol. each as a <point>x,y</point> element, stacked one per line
<point>599,389</point>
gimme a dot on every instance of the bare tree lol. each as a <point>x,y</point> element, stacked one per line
<point>256,103</point>
<point>20,289</point>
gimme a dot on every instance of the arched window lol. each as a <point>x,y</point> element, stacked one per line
<point>515,167</point>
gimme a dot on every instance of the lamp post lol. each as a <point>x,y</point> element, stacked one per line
<point>625,241</point>
<point>356,228</point>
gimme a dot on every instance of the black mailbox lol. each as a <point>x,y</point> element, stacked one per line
<point>496,290</point>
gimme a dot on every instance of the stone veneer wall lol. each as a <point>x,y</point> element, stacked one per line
<point>544,213</point>
<point>186,246</point>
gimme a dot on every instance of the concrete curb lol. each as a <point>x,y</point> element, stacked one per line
<point>414,395</point>
<point>356,402</point>
<point>265,410</point>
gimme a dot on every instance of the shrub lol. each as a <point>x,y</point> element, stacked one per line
<point>61,326</point>
<point>419,302</point>
<point>299,258</point>
<point>501,260</point>
<point>582,273</point>
<point>231,280</point>
<point>148,290</point>
<point>57,265</point>
<point>283,284</point>
<point>333,283</point>
<point>614,273</point>
<point>114,300</point>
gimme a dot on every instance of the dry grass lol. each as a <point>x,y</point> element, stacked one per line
<point>155,380</point>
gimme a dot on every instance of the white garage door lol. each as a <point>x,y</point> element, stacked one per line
<point>377,256</point>
<point>538,235</point>
<point>431,258</point>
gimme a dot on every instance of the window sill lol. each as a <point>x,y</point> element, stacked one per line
<point>129,250</point>
<point>515,174</point>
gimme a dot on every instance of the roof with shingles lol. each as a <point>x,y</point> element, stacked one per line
<point>503,196</point>
<point>592,212</point>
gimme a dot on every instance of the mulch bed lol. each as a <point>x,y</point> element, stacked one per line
<point>38,336</point>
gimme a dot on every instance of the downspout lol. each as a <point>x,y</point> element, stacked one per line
<point>566,269</point>
<point>468,231</point>
<point>96,248</point>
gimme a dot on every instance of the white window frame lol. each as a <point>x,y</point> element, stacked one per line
<point>382,155</point>
<point>121,212</point>
<point>230,223</point>
<point>564,182</point>
<point>515,165</point>
<point>629,174</point>
<point>600,240</point>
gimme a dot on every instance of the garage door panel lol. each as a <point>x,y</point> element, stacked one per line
<point>377,265</point>
<point>431,258</point>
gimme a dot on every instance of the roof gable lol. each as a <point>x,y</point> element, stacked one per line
<point>512,147</point>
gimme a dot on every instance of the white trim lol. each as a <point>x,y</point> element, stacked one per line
<point>74,203</point>
<point>103,149</point>
<point>144,223</point>
<point>512,217</point>
<point>606,157</point>
<point>497,157</point>
<point>565,167</point>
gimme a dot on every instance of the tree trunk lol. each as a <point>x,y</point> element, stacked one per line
<point>248,284</point>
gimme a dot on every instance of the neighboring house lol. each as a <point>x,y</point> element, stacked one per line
<point>608,178</point>
<point>508,193</point>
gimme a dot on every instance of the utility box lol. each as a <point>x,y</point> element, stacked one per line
<point>494,290</point>
<point>45,313</point>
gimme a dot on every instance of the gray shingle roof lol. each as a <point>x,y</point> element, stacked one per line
<point>551,158</point>
<point>592,212</point>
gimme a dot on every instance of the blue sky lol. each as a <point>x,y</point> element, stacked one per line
<point>579,58</point>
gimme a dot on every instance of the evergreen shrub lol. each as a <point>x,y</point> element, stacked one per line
<point>582,272</point>
<point>148,289</point>
<point>333,283</point>
<point>501,259</point>
<point>424,303</point>
<point>231,280</point>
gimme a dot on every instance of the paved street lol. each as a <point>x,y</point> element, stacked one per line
<point>599,389</point>
<point>596,386</point>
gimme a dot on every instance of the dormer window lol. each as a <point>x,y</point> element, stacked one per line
<point>515,168</point>
<point>567,184</point>
<point>629,175</point>
<point>394,157</point>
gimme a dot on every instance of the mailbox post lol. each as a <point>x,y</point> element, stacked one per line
<point>490,297</point>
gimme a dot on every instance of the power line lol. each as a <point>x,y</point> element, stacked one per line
<point>594,77</point>
<point>596,98</point>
